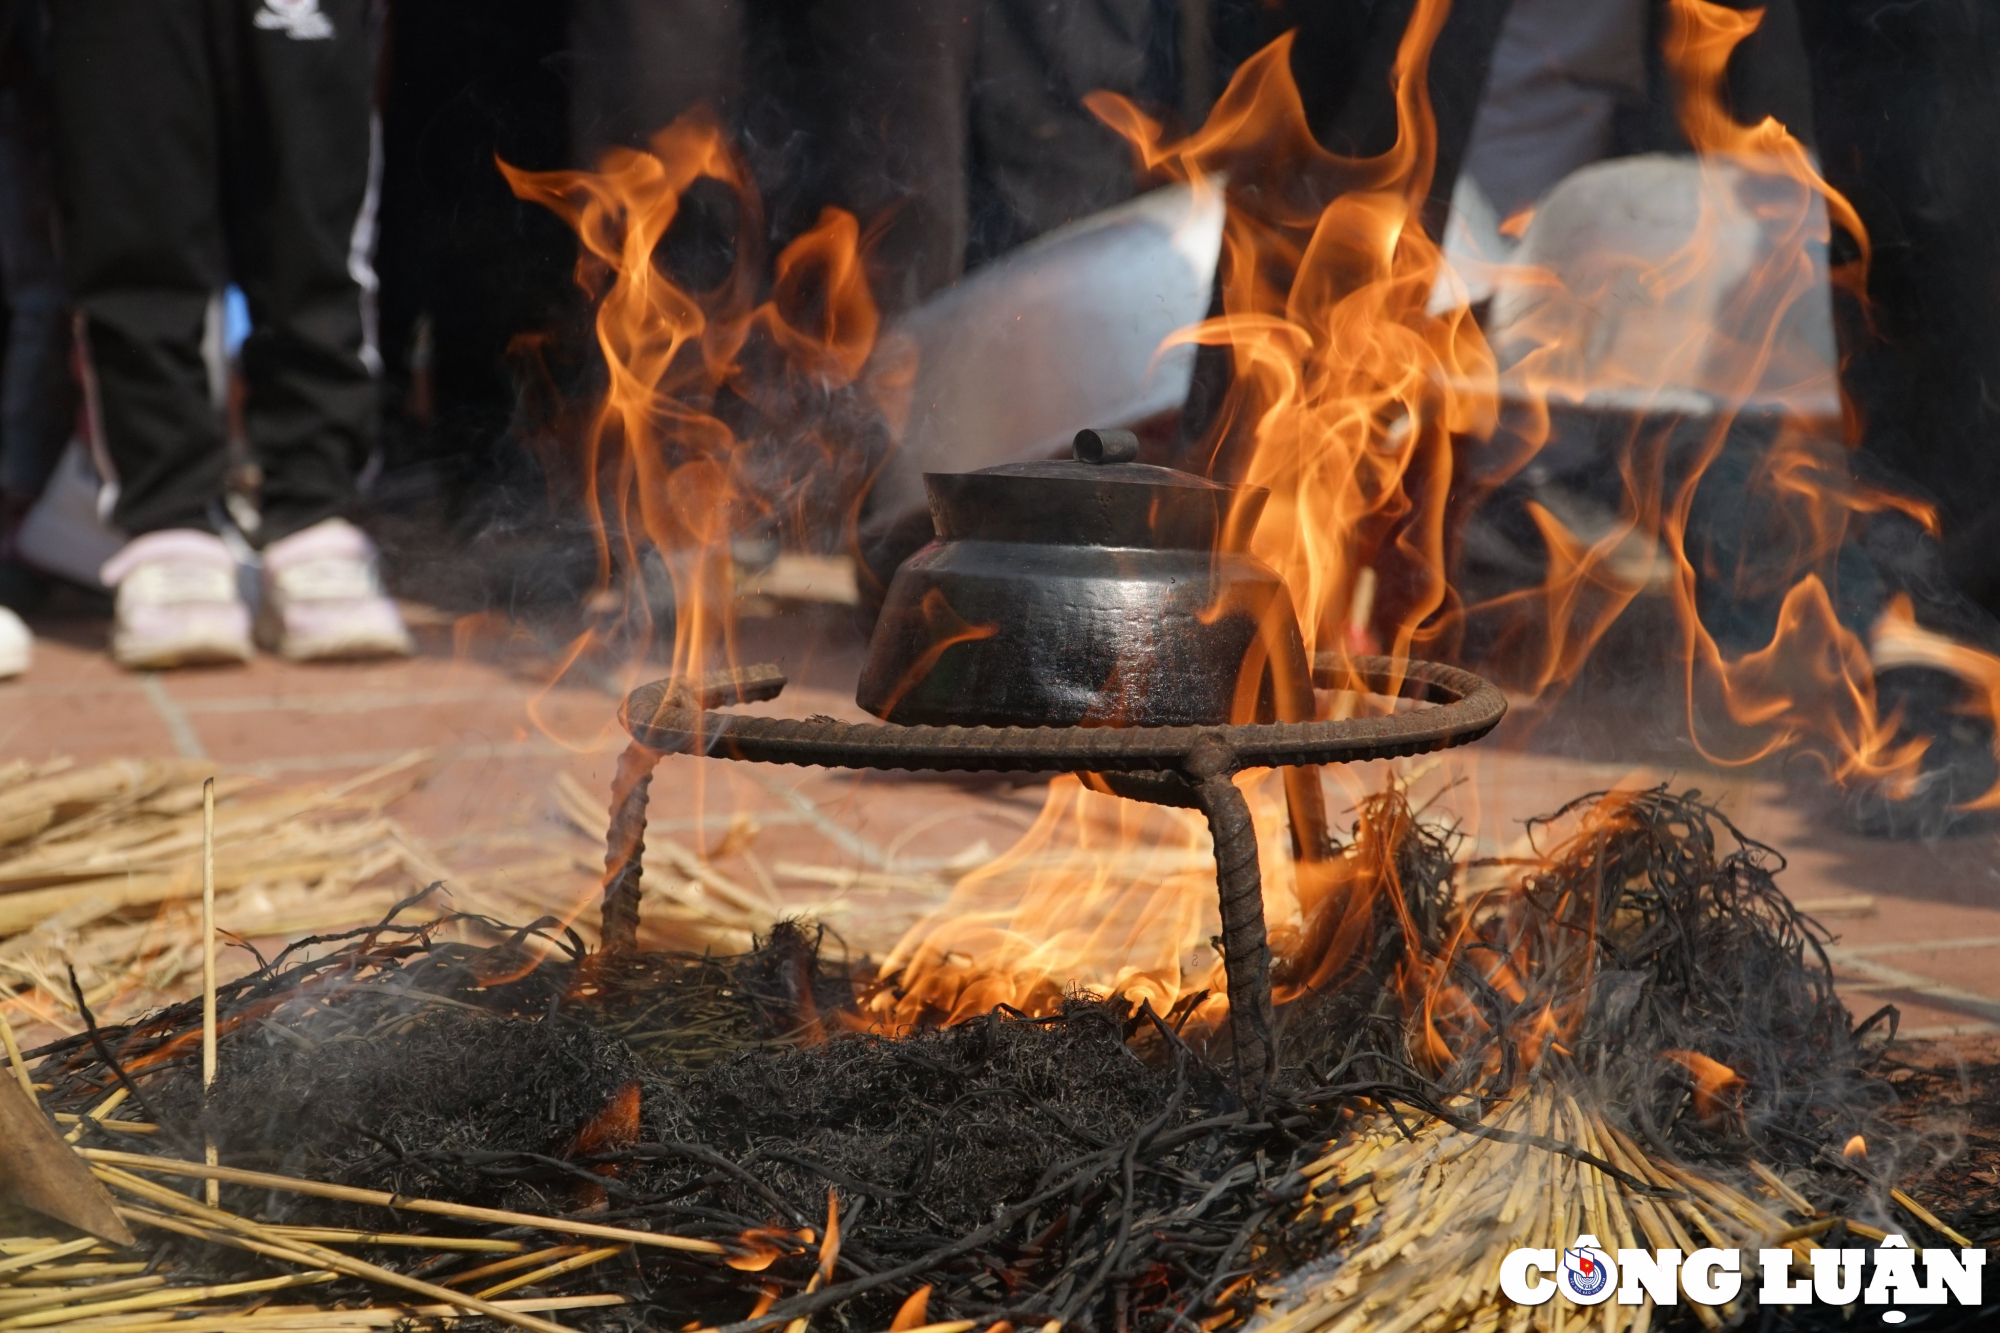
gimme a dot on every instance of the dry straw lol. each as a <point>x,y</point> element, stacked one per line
<point>1430,1216</point>
<point>214,1187</point>
<point>129,870</point>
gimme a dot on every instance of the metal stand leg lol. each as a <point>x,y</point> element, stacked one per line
<point>625,840</point>
<point>625,844</point>
<point>1203,783</point>
<point>1246,953</point>
<point>1305,805</point>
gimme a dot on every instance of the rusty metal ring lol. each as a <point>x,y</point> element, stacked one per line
<point>659,716</point>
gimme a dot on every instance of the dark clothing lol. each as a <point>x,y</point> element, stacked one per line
<point>473,279</point>
<point>1040,158</point>
<point>954,129</point>
<point>204,142</point>
<point>37,396</point>
<point>1907,114</point>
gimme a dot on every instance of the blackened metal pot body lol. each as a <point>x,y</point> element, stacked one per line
<point>1068,593</point>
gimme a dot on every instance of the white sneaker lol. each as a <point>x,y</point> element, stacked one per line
<point>177,602</point>
<point>17,646</point>
<point>323,599</point>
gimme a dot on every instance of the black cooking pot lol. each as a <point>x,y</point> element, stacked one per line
<point>1098,591</point>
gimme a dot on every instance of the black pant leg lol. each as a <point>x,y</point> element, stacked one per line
<point>1041,157</point>
<point>136,138</point>
<point>891,106</point>
<point>296,107</point>
<point>37,398</point>
<point>1907,112</point>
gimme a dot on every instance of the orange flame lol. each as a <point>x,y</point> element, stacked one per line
<point>1100,892</point>
<point>1356,404</point>
<point>760,1247</point>
<point>612,1129</point>
<point>1338,388</point>
<point>912,1311</point>
<point>1346,391</point>
<point>1713,1082</point>
<point>662,465</point>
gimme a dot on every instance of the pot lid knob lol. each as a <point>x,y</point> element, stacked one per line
<point>1106,446</point>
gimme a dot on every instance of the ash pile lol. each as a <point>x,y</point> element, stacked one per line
<point>1636,1037</point>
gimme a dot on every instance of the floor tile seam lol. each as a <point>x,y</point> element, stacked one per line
<point>1889,978</point>
<point>1837,952</point>
<point>1939,1031</point>
<point>187,742</point>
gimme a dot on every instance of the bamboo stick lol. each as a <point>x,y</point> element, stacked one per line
<point>169,1296</point>
<point>345,1236</point>
<point>110,1126</point>
<point>381,1198</point>
<point>508,1265</point>
<point>212,1187</point>
<point>1793,1199</point>
<point>1929,1219</point>
<point>338,1262</point>
<point>14,1060</point>
<point>1758,1220</point>
<point>569,1265</point>
<point>1805,1231</point>
<point>49,1255</point>
<point>309,1319</point>
<point>21,1302</point>
<point>1511,1209</point>
<point>98,1112</point>
<point>69,1273</point>
<point>1626,1155</point>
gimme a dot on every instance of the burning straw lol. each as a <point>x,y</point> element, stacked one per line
<point>654,1139</point>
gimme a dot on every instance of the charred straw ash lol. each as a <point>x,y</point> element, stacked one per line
<point>1708,1017</point>
<point>1090,1165</point>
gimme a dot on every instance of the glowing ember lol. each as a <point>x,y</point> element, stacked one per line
<point>611,1130</point>
<point>761,1248</point>
<point>1713,1080</point>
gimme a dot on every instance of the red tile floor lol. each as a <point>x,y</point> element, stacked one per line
<point>1917,925</point>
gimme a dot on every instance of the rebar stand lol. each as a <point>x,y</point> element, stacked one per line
<point>1181,766</point>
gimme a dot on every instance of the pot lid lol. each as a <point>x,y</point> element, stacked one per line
<point>1099,498</point>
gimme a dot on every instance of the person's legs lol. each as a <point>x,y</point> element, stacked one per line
<point>298,173</point>
<point>295,99</point>
<point>1041,157</point>
<point>470,81</point>
<point>136,140</point>
<point>37,399</point>
<point>892,94</point>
